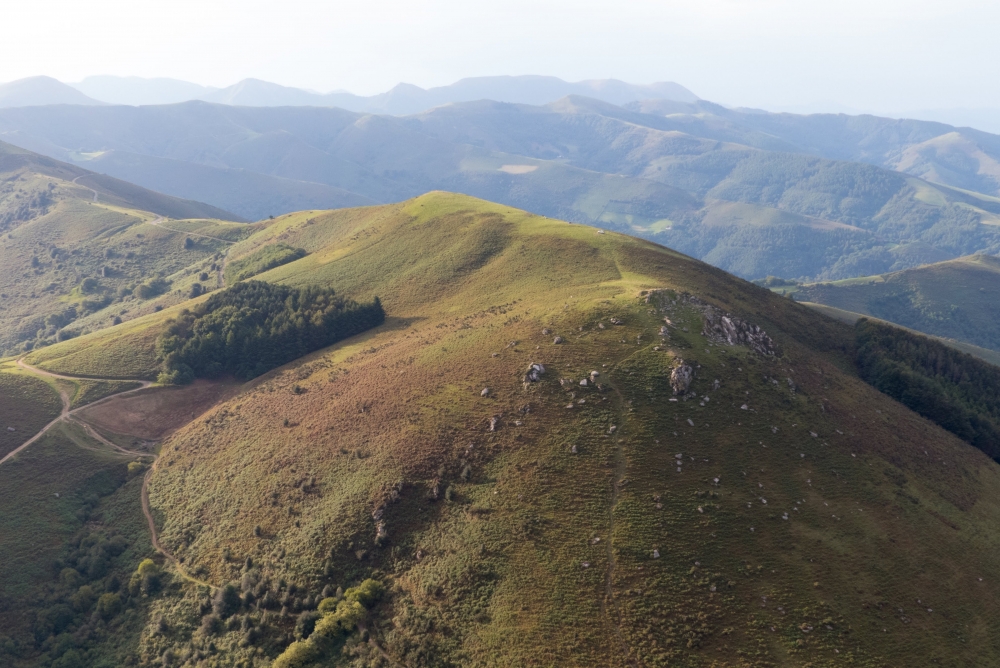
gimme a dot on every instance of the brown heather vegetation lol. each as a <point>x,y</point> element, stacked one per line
<point>512,530</point>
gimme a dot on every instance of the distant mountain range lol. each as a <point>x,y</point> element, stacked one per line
<point>37,91</point>
<point>401,100</point>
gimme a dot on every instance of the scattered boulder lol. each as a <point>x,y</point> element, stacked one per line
<point>494,422</point>
<point>546,331</point>
<point>617,321</point>
<point>656,554</point>
<point>557,340</point>
<point>680,377</point>
<point>534,373</point>
<point>584,383</point>
<point>485,392</point>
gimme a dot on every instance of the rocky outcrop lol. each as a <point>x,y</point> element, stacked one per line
<point>722,327</point>
<point>680,377</point>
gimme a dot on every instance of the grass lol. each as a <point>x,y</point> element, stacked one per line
<point>261,260</point>
<point>27,404</point>
<point>883,507</point>
<point>89,391</point>
<point>51,247</point>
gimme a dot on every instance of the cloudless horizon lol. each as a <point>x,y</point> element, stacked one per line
<point>775,54</point>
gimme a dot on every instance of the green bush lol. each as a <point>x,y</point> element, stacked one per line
<point>226,601</point>
<point>151,288</point>
<point>333,627</point>
<point>146,579</point>
<point>109,605</point>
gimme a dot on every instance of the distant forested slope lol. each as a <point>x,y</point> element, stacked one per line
<point>957,391</point>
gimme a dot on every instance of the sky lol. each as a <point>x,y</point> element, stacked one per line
<point>802,55</point>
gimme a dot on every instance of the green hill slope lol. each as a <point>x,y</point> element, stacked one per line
<point>776,511</point>
<point>956,299</point>
<point>75,247</point>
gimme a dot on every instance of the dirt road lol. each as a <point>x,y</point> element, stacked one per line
<point>69,415</point>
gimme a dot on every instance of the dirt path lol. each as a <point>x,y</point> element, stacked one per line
<point>610,606</point>
<point>225,256</point>
<point>69,415</point>
<point>159,223</point>
<point>83,186</point>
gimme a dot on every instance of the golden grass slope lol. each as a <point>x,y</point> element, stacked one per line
<point>773,523</point>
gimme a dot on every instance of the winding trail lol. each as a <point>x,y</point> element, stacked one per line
<point>69,415</point>
<point>83,186</point>
<point>220,274</point>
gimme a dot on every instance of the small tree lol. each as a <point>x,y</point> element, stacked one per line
<point>226,601</point>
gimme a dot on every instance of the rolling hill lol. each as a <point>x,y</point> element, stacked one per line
<point>744,199</point>
<point>76,246</point>
<point>555,451</point>
<point>954,299</point>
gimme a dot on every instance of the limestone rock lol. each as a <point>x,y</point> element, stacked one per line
<point>534,373</point>
<point>680,378</point>
<point>723,327</point>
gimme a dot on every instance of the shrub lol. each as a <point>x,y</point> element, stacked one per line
<point>89,285</point>
<point>151,288</point>
<point>226,601</point>
<point>305,624</point>
<point>146,579</point>
<point>211,624</point>
<point>109,605</point>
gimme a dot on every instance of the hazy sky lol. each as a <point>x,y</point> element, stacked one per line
<point>865,54</point>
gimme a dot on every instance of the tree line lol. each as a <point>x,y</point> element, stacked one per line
<point>253,327</point>
<point>957,391</point>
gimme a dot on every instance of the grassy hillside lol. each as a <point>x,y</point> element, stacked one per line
<point>955,299</point>
<point>786,515</point>
<point>76,248</point>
